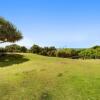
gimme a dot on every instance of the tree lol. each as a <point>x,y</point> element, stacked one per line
<point>23,49</point>
<point>66,52</point>
<point>13,48</point>
<point>88,54</point>
<point>48,51</point>
<point>35,49</point>
<point>96,47</point>
<point>8,32</point>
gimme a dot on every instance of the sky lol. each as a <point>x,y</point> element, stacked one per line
<point>59,23</point>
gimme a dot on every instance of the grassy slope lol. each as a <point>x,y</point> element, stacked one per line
<point>47,78</point>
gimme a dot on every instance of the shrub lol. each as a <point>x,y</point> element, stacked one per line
<point>88,54</point>
<point>66,52</point>
<point>23,49</point>
<point>48,51</point>
<point>35,49</point>
<point>96,47</point>
<point>13,48</point>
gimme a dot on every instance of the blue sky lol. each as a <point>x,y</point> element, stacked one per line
<point>60,23</point>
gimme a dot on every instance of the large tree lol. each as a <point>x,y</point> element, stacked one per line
<point>8,32</point>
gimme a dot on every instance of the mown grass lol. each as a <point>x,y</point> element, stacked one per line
<point>34,77</point>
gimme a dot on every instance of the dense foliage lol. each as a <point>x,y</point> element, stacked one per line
<point>67,53</point>
<point>89,53</point>
<point>8,32</point>
<point>15,48</point>
<point>46,51</point>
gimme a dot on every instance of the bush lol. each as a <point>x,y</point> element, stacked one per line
<point>89,54</point>
<point>23,49</point>
<point>13,48</point>
<point>35,49</point>
<point>97,53</point>
<point>46,51</point>
<point>96,47</point>
<point>92,53</point>
<point>67,53</point>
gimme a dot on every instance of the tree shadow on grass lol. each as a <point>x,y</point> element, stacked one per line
<point>11,59</point>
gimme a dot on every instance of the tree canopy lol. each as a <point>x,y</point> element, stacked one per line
<point>8,32</point>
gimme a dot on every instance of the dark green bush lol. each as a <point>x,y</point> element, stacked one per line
<point>46,51</point>
<point>66,53</point>
<point>13,48</point>
<point>35,49</point>
<point>23,49</point>
<point>90,54</point>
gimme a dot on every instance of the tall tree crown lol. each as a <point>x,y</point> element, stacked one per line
<point>8,32</point>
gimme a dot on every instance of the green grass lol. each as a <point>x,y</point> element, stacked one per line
<point>34,77</point>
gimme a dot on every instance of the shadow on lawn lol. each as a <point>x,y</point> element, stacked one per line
<point>11,59</point>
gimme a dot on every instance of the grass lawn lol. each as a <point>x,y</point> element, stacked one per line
<point>34,77</point>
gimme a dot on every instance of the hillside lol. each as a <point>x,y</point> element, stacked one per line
<point>34,77</point>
